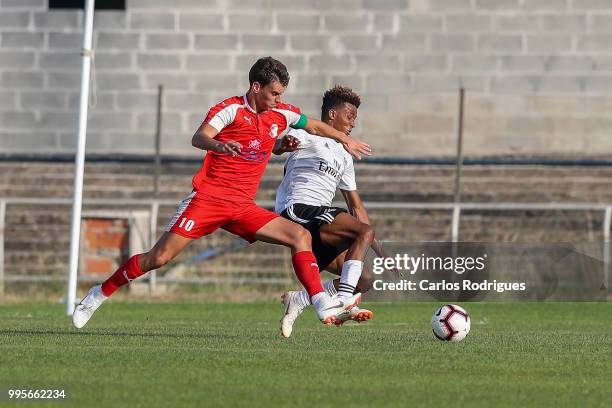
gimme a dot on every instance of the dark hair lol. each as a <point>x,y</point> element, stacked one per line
<point>266,70</point>
<point>335,97</point>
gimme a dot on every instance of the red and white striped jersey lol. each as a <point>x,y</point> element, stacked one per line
<point>237,178</point>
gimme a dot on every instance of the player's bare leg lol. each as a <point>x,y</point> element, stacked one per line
<point>348,229</point>
<point>166,248</point>
<point>284,232</point>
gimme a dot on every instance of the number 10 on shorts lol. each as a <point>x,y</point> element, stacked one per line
<point>186,224</point>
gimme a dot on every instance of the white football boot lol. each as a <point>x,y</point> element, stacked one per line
<point>293,309</point>
<point>87,307</point>
<point>329,308</point>
<point>356,314</point>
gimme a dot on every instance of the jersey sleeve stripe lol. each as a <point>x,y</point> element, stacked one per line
<point>224,117</point>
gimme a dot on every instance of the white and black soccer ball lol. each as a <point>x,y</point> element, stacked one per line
<point>450,323</point>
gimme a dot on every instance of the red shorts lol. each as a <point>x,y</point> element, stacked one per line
<point>199,215</point>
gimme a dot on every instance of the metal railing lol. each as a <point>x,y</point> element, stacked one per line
<point>154,204</point>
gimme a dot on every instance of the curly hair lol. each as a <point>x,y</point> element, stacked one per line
<point>268,69</point>
<point>335,97</point>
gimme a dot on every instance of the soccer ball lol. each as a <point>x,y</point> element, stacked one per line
<point>450,323</point>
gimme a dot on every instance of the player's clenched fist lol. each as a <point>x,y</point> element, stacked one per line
<point>289,143</point>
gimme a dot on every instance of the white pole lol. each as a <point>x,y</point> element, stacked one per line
<point>80,156</point>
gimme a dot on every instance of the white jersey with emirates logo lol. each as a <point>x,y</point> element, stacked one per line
<point>314,171</point>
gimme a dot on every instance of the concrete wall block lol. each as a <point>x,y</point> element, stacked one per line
<point>8,101</point>
<point>168,80</point>
<point>113,60</point>
<point>569,63</point>
<point>598,84</point>
<point>298,22</point>
<point>24,141</point>
<point>595,42</point>
<point>306,82</point>
<point>474,63</point>
<point>14,19</point>
<point>516,23</point>
<point>548,43</point>
<point>67,141</point>
<point>497,44</point>
<point>167,41</point>
<point>560,84</point>
<point>565,23</point>
<point>385,5</point>
<point>388,83</point>
<point>59,60</point>
<point>378,62</point>
<point>58,19</point>
<point>513,84</point>
<point>151,21</point>
<point>118,81</point>
<point>137,101</point>
<point>226,84</point>
<point>139,142</point>
<point>110,121</point>
<point>177,4</point>
<point>523,63</point>
<point>17,120</point>
<point>354,81</point>
<point>450,5</point>
<point>58,120</point>
<point>264,42</point>
<point>426,63</point>
<point>210,62</point>
<point>200,22</point>
<point>226,42</point>
<point>24,4</point>
<point>330,63</point>
<point>294,63</point>
<point>495,5</point>
<point>153,62</point>
<point>110,19</point>
<point>404,42</point>
<point>358,42</point>
<point>108,40</point>
<point>188,102</point>
<point>592,5</point>
<point>63,80</point>
<point>449,83</point>
<point>66,40</point>
<point>384,23</point>
<point>452,43</point>
<point>554,5</point>
<point>467,23</point>
<point>16,39</point>
<point>253,22</point>
<point>16,59</point>
<point>601,23</point>
<point>346,22</point>
<point>172,124</point>
<point>43,100</point>
<point>427,23</point>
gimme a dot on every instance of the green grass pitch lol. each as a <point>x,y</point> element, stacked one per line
<point>229,354</point>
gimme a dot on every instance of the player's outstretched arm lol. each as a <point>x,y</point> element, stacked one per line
<point>356,148</point>
<point>204,139</point>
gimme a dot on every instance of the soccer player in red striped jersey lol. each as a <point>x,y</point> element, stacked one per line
<point>239,134</point>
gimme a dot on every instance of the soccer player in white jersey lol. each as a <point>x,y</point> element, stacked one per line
<point>340,239</point>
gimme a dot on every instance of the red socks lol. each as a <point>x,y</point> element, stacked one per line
<point>307,271</point>
<point>124,275</point>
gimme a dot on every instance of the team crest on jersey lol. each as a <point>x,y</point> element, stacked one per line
<point>254,144</point>
<point>274,130</point>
